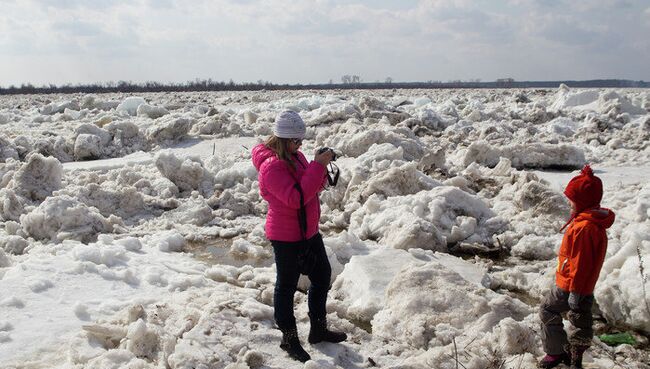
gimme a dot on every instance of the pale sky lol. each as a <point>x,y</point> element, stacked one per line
<point>313,41</point>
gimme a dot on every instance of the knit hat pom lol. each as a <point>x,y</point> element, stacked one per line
<point>586,170</point>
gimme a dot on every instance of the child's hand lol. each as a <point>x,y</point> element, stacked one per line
<point>574,301</point>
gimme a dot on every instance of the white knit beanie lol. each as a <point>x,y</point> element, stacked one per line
<point>288,124</point>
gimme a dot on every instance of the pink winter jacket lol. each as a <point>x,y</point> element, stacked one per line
<point>276,181</point>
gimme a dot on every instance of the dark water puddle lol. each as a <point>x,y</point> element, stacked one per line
<point>217,252</point>
<point>362,324</point>
<point>522,296</point>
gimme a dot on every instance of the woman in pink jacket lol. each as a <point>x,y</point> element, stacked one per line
<point>290,184</point>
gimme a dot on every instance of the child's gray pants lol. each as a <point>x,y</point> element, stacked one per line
<point>554,337</point>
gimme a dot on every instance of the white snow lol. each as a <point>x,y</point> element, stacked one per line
<point>130,105</point>
<point>131,227</point>
<point>361,288</point>
<point>459,306</point>
<point>362,285</point>
<point>152,112</point>
<point>87,146</point>
<point>63,217</point>
<point>37,178</point>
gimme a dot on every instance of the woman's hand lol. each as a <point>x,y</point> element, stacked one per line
<point>324,158</point>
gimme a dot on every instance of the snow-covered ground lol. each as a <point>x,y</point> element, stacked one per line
<point>131,228</point>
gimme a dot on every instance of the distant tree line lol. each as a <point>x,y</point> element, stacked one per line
<point>348,82</point>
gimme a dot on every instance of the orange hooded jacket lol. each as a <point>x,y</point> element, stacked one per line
<point>583,251</point>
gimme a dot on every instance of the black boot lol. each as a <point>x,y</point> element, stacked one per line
<point>576,356</point>
<point>319,332</point>
<point>291,344</point>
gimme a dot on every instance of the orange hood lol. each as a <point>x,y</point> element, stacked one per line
<point>602,217</point>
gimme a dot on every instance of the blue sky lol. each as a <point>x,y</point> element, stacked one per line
<point>305,41</point>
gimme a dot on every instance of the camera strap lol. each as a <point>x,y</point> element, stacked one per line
<point>333,169</point>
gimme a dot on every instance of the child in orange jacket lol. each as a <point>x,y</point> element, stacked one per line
<point>580,259</point>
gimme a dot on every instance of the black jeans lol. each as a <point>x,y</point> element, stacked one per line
<point>288,262</point>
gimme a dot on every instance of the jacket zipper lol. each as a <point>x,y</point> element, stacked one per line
<point>564,264</point>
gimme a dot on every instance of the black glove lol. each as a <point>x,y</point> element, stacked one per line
<point>574,301</point>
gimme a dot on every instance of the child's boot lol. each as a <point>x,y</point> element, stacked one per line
<point>576,356</point>
<point>551,361</point>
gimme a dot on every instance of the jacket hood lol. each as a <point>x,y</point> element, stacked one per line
<point>259,154</point>
<point>602,217</point>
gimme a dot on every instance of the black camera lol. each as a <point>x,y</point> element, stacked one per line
<point>325,149</point>
<point>333,171</point>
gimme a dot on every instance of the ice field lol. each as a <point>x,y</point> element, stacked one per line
<point>131,227</point>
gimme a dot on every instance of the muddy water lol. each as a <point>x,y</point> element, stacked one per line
<point>217,252</point>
